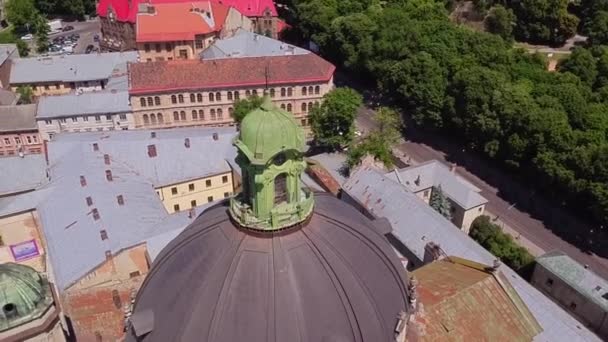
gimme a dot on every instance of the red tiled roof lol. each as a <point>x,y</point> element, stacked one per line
<point>154,77</point>
<point>172,22</point>
<point>124,12</point>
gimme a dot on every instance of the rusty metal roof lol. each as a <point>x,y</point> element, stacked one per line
<point>461,300</point>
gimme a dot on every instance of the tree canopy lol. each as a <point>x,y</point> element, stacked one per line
<point>549,129</point>
<point>243,106</point>
<point>491,237</point>
<point>440,203</point>
<point>333,121</point>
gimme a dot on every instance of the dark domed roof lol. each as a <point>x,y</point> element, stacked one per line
<point>335,278</point>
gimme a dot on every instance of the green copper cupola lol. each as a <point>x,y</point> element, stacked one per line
<point>270,146</point>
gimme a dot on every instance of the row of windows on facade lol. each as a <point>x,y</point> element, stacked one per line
<point>193,202</point>
<point>13,152</point>
<point>57,86</point>
<point>230,95</point>
<point>191,187</point>
<point>29,139</point>
<point>86,118</point>
<point>169,46</point>
<point>153,119</point>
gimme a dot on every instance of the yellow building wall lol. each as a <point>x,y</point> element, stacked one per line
<point>297,103</point>
<point>20,228</point>
<point>219,188</point>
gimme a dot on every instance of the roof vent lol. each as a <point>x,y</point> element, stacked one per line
<point>417,181</point>
<point>120,200</point>
<point>95,147</point>
<point>109,175</point>
<point>152,135</point>
<point>89,201</point>
<point>187,142</point>
<point>151,151</point>
<point>215,136</point>
<point>106,159</point>
<point>83,181</point>
<point>9,310</point>
<point>95,213</point>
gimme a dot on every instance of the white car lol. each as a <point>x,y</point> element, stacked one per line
<point>28,36</point>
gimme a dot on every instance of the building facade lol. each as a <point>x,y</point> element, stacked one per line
<point>190,194</point>
<point>209,88</point>
<point>466,203</point>
<point>119,20</point>
<point>183,30</point>
<point>18,131</point>
<point>87,112</point>
<point>574,287</point>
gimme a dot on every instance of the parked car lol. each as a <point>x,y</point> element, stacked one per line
<point>68,49</point>
<point>89,49</point>
<point>28,36</point>
<point>67,28</point>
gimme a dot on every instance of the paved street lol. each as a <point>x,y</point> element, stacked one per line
<point>530,228</point>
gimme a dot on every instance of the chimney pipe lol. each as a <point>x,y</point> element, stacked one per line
<point>106,159</point>
<point>95,147</point>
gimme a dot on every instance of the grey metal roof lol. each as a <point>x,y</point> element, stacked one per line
<point>23,202</point>
<point>415,224</point>
<point>8,98</point>
<point>101,102</point>
<point>72,234</point>
<point>181,220</point>
<point>6,50</point>
<point>249,44</point>
<point>434,173</point>
<point>582,279</point>
<point>334,278</point>
<point>334,164</point>
<point>69,68</point>
<point>22,174</point>
<point>18,118</point>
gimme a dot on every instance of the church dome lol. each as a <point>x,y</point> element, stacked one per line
<point>24,295</point>
<point>331,278</point>
<point>266,131</point>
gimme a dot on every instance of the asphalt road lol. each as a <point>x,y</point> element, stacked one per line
<point>522,222</point>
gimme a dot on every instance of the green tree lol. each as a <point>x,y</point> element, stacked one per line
<point>440,203</point>
<point>333,121</point>
<point>421,83</point>
<point>491,237</point>
<point>242,107</point>
<point>23,48</point>
<point>597,29</point>
<point>500,21</point>
<point>582,64</point>
<point>379,142</point>
<point>544,21</point>
<point>42,34</point>
<point>389,124</point>
<point>352,39</point>
<point>26,94</point>
<point>21,13</point>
